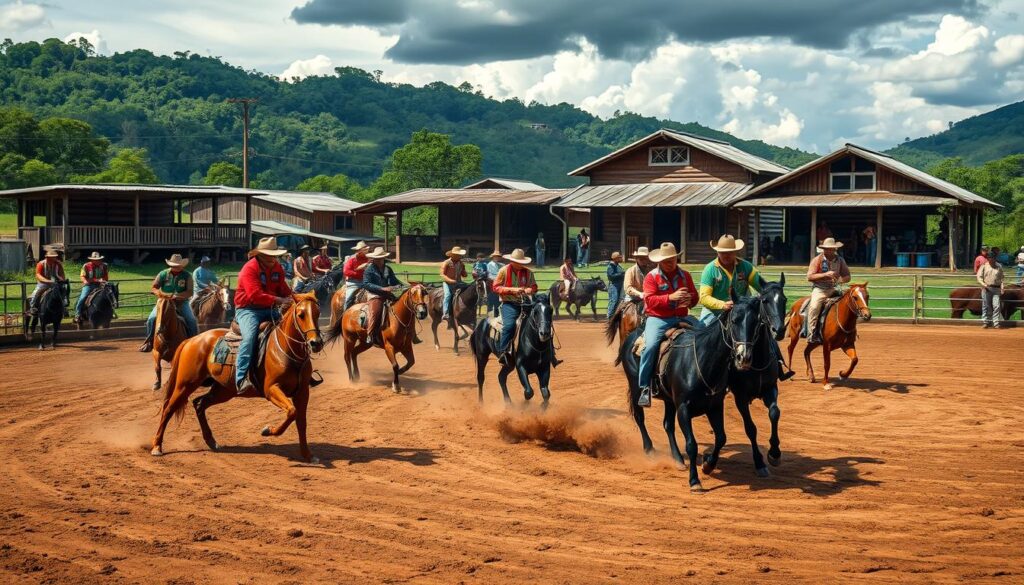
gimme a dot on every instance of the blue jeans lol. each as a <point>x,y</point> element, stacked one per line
<point>191,325</point>
<point>654,332</point>
<point>706,316</point>
<point>1020,273</point>
<point>614,294</point>
<point>872,247</point>
<point>449,294</point>
<point>539,260</point>
<point>493,302</point>
<point>249,323</point>
<point>583,258</point>
<point>86,290</point>
<point>350,293</point>
<point>300,287</point>
<point>509,314</point>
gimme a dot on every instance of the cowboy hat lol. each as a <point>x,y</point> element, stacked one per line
<point>304,247</point>
<point>664,252</point>
<point>325,247</point>
<point>204,259</point>
<point>378,253</point>
<point>518,256</point>
<point>830,243</point>
<point>642,251</point>
<point>267,247</point>
<point>616,255</point>
<point>176,261</point>
<point>498,253</point>
<point>95,256</point>
<point>360,246</point>
<point>455,251</point>
<point>727,243</point>
<point>51,253</point>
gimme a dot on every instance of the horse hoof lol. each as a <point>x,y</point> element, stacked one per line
<point>707,469</point>
<point>265,431</point>
<point>774,461</point>
<point>843,376</point>
<point>697,489</point>
<point>396,389</point>
<point>156,452</point>
<point>762,472</point>
<point>156,386</point>
<point>527,394</point>
<point>828,386</point>
<point>213,446</point>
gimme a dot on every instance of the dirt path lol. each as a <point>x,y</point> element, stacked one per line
<point>912,472</point>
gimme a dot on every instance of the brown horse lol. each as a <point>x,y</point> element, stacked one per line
<point>399,330</point>
<point>285,371</point>
<point>623,321</point>
<point>212,305</point>
<point>464,309</point>
<point>968,298</point>
<point>168,333</point>
<point>838,330</point>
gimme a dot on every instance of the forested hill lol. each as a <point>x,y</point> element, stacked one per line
<point>175,107</point>
<point>976,140</point>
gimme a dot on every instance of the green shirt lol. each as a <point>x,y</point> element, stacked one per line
<point>715,282</point>
<point>173,284</point>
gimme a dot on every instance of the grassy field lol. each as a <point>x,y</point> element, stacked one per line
<point>8,224</point>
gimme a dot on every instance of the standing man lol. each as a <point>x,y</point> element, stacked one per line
<point>668,296</point>
<point>583,246</point>
<point>261,285</point>
<point>541,248</point>
<point>303,269</point>
<point>981,259</point>
<point>94,275</point>
<point>825,271</point>
<point>354,269</point>
<point>322,262</point>
<point>513,283</point>
<point>49,272</point>
<point>634,279</point>
<point>203,277</point>
<point>493,267</point>
<point>870,244</point>
<point>990,277</point>
<point>616,276</point>
<point>175,283</point>
<point>452,272</point>
<point>1020,265</point>
<point>380,281</point>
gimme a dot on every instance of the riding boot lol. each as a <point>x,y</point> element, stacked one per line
<point>785,374</point>
<point>147,345</point>
<point>416,337</point>
<point>644,400</point>
<point>245,386</point>
<point>554,359</point>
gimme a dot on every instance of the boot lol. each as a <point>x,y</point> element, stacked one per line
<point>784,374</point>
<point>147,345</point>
<point>644,400</point>
<point>245,386</point>
<point>555,362</point>
<point>416,337</point>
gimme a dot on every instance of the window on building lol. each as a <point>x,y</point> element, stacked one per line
<point>342,223</point>
<point>852,174</point>
<point>668,156</point>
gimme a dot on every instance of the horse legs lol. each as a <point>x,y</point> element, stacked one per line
<point>503,382</point>
<point>180,392</point>
<point>389,350</point>
<point>524,379</point>
<point>481,365</point>
<point>593,306</point>
<point>826,356</point>
<point>638,418</point>
<point>544,379</point>
<point>410,359</point>
<point>794,338</point>
<point>751,429</point>
<point>670,429</point>
<point>217,395</point>
<point>301,401</point>
<point>716,416</point>
<point>56,328</point>
<point>275,394</point>
<point>686,425</point>
<point>433,329</point>
<point>851,351</point>
<point>158,369</point>
<point>771,401</point>
<point>807,360</point>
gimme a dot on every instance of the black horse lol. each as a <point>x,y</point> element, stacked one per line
<point>99,306</point>
<point>51,304</point>
<point>761,380</point>
<point>324,286</point>
<point>695,380</point>
<point>464,308</point>
<point>584,292</point>
<point>533,353</point>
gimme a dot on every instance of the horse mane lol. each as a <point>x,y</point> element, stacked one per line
<point>611,328</point>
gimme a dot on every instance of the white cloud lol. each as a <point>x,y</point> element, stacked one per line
<point>95,39</point>
<point>319,65</point>
<point>1009,50</point>
<point>20,16</point>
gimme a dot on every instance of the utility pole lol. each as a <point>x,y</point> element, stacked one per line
<point>245,136</point>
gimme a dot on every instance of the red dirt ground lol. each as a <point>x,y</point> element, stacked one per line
<point>911,472</point>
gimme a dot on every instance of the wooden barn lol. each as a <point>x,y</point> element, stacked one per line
<point>490,214</point>
<point>845,192</point>
<point>137,219</point>
<point>669,186</point>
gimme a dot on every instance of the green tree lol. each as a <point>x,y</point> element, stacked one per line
<point>224,173</point>
<point>341,185</point>
<point>35,173</point>
<point>129,165</point>
<point>71,146</point>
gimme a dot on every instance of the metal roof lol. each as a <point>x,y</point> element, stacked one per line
<point>418,197</point>
<point>310,201</point>
<point>718,148</point>
<point>268,227</point>
<point>517,184</point>
<point>205,190</point>
<point>719,194</point>
<point>845,200</point>
<point>959,194</point>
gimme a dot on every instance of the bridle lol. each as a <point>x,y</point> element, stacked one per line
<point>303,355</point>
<point>406,300</point>
<point>854,310</point>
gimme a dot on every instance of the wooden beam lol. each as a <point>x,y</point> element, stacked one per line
<point>756,244</point>
<point>814,233</point>
<point>138,232</point>
<point>398,236</point>
<point>878,237</point>
<point>497,227</point>
<point>248,222</point>
<point>682,234</point>
<point>952,231</point>
<point>387,224</point>
<point>622,231</point>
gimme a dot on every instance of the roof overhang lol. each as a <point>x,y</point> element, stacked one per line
<point>180,191</point>
<point>277,228</point>
<point>825,200</point>
<point>421,197</point>
<point>711,194</point>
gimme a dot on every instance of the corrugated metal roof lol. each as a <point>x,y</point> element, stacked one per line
<point>718,148</point>
<point>272,228</point>
<point>517,184</point>
<point>418,197</point>
<point>719,194</point>
<point>310,201</point>
<point>845,200</point>
<point>207,190</point>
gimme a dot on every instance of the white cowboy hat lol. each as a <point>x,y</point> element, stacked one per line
<point>642,251</point>
<point>456,251</point>
<point>518,256</point>
<point>727,243</point>
<point>664,252</point>
<point>95,256</point>
<point>830,243</point>
<point>498,253</point>
<point>360,246</point>
<point>378,253</point>
<point>267,247</point>
<point>176,261</point>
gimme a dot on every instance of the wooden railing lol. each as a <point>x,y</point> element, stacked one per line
<point>146,236</point>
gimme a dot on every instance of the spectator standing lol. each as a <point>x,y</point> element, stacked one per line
<point>981,259</point>
<point>541,248</point>
<point>583,247</point>
<point>990,277</point>
<point>616,275</point>
<point>1020,265</point>
<point>493,300</point>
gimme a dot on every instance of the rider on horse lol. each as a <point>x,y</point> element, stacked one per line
<point>452,272</point>
<point>568,276</point>
<point>668,296</point>
<point>203,277</point>
<point>94,275</point>
<point>727,272</point>
<point>379,281</point>
<point>303,269</point>
<point>49,271</point>
<point>825,271</point>
<point>176,283</point>
<point>322,262</point>
<point>633,282</point>
<point>513,283</point>
<point>353,270</point>
<point>261,285</point>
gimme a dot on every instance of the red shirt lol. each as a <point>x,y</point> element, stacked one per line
<point>981,259</point>
<point>259,287</point>
<point>657,288</point>
<point>351,274</point>
<point>50,269</point>
<point>322,262</point>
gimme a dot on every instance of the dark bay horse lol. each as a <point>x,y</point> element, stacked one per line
<point>285,372</point>
<point>464,309</point>
<point>168,333</point>
<point>584,292</point>
<point>838,330</point>
<point>627,317</point>
<point>533,351</point>
<point>51,304</point>
<point>695,380</point>
<point>100,305</point>
<point>213,305</point>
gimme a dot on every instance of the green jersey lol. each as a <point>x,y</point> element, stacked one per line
<point>173,284</point>
<point>715,282</point>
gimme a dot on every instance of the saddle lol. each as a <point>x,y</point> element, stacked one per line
<point>363,314</point>
<point>225,352</point>
<point>829,303</point>
<point>663,348</point>
<point>494,325</point>
<point>92,296</point>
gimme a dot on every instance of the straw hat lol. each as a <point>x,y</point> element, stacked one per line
<point>617,255</point>
<point>378,253</point>
<point>727,243</point>
<point>325,247</point>
<point>267,247</point>
<point>664,252</point>
<point>642,252</point>
<point>360,246</point>
<point>456,251</point>
<point>304,247</point>
<point>518,256</point>
<point>830,243</point>
<point>95,256</point>
<point>176,261</point>
<point>497,253</point>
<point>51,253</point>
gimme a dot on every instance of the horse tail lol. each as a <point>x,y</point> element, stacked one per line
<point>172,382</point>
<point>334,329</point>
<point>612,326</point>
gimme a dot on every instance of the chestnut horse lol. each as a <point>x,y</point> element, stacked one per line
<point>838,330</point>
<point>626,318</point>
<point>211,306</point>
<point>399,330</point>
<point>285,371</point>
<point>168,333</point>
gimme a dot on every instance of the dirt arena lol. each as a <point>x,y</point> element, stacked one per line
<point>911,472</point>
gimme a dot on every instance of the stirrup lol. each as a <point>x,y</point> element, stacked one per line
<point>315,379</point>
<point>644,400</point>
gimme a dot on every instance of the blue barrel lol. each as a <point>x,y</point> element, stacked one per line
<point>924,260</point>
<point>903,260</point>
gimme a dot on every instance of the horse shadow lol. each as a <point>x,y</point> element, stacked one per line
<point>331,454</point>
<point>411,383</point>
<point>797,471</point>
<point>93,347</point>
<point>873,385</point>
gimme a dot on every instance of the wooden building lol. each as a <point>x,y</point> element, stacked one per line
<point>666,187</point>
<point>139,219</point>
<point>852,188</point>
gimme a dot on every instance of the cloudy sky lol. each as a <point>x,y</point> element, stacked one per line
<point>805,73</point>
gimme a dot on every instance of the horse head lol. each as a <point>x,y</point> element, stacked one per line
<point>306,318</point>
<point>743,322</point>
<point>227,296</point>
<point>418,297</point>
<point>859,296</point>
<point>773,305</point>
<point>541,316</point>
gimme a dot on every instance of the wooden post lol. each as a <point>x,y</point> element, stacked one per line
<point>814,233</point>
<point>756,244</point>
<point>387,224</point>
<point>878,237</point>
<point>248,222</point>
<point>682,235</point>
<point>622,232</point>
<point>952,232</point>
<point>398,236</point>
<point>138,234</point>
<point>497,227</point>
<point>214,220</point>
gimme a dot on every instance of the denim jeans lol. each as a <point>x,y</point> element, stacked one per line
<point>614,294</point>
<point>249,324</point>
<point>539,260</point>
<point>583,258</point>
<point>1020,273</point>
<point>493,303</point>
<point>449,294</point>
<point>191,325</point>
<point>654,332</point>
<point>990,305</point>
<point>509,314</point>
<point>706,316</point>
<point>300,287</point>
<point>86,290</point>
<point>872,247</point>
<point>350,293</point>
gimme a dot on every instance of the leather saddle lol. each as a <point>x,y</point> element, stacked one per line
<point>494,325</point>
<point>363,314</point>
<point>225,352</point>
<point>664,346</point>
<point>829,303</point>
